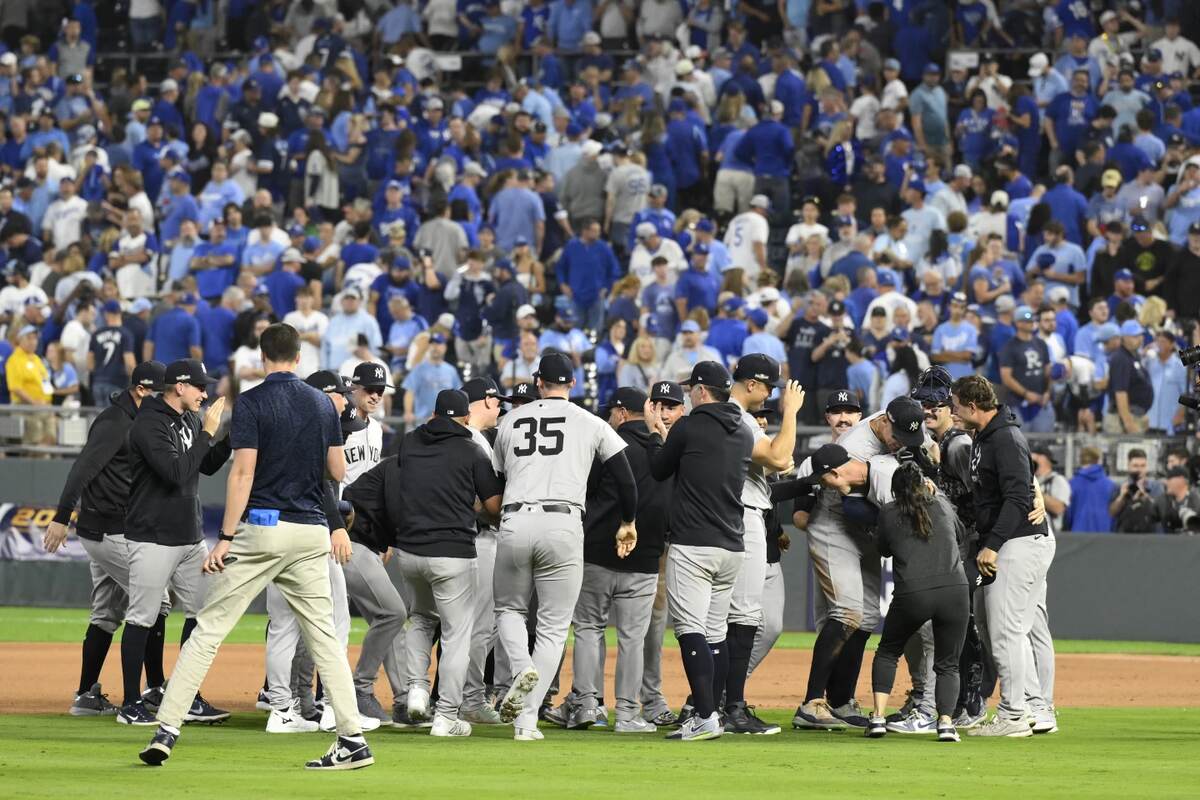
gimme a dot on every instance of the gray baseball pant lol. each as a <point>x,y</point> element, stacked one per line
<point>109,567</point>
<point>443,591</point>
<point>1012,609</point>
<point>848,575</point>
<point>543,550</point>
<point>483,629</point>
<point>918,652</point>
<point>629,598</point>
<point>1042,643</point>
<point>651,695</point>
<point>772,616</point>
<point>380,603</point>
<point>746,601</point>
<point>699,585</point>
<point>155,567</point>
<point>289,665</point>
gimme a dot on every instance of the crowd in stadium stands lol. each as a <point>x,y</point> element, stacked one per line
<point>857,188</point>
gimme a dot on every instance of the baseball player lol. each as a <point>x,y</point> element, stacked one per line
<point>441,472</point>
<point>848,568</point>
<point>99,484</point>
<point>708,452</point>
<point>754,378</point>
<point>169,446</point>
<point>667,397</point>
<point>544,451</point>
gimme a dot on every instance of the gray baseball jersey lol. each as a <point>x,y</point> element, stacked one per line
<point>756,492</point>
<point>545,451</point>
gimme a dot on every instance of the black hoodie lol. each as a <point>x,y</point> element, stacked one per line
<point>1002,482</point>
<point>709,453</point>
<point>167,453</point>
<point>99,478</point>
<point>442,471</point>
<point>374,497</point>
<point>603,516</point>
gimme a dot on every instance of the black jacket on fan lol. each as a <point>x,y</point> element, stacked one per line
<point>167,453</point>
<point>99,478</point>
<point>708,452</point>
<point>603,516</point>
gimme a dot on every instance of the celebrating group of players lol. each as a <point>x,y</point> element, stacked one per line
<point>509,528</point>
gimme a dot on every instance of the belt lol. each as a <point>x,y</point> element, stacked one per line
<point>548,508</point>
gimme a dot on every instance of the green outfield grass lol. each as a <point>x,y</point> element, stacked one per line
<point>1098,753</point>
<point>67,625</point>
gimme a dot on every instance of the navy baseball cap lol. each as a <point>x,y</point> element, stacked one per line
<point>522,393</point>
<point>329,382</point>
<point>827,458</point>
<point>451,403</point>
<point>667,392</point>
<point>555,368</point>
<point>1139,224</point>
<point>187,370</point>
<point>758,367</point>
<point>709,373</point>
<point>908,421</point>
<point>629,397</point>
<point>368,374</point>
<point>932,69</point>
<point>149,375</point>
<point>842,398</point>
<point>480,389</point>
<point>111,307</point>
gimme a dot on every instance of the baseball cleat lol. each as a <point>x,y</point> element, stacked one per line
<point>418,704</point>
<point>740,718</point>
<point>635,725</point>
<point>135,714</point>
<point>159,749</point>
<point>289,720</point>
<point>698,729</point>
<point>916,722</point>
<point>527,734</point>
<point>344,754</point>
<point>580,719</point>
<point>663,719</point>
<point>555,715</point>
<point>152,698</point>
<point>204,711</point>
<point>328,721</point>
<point>263,701</point>
<point>876,728</point>
<point>946,732</point>
<point>815,715</point>
<point>481,715</point>
<point>1044,721</point>
<point>513,703</point>
<point>369,706</point>
<point>997,726</point>
<point>444,726</point>
<point>851,713</point>
<point>92,703</point>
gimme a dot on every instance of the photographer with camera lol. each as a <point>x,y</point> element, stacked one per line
<point>1178,508</point>
<point>1132,509</point>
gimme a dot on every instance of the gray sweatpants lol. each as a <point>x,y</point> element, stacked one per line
<point>284,668</point>
<point>153,568</point>
<point>628,597</point>
<point>1012,610</point>
<point>746,602</point>
<point>545,550</point>
<point>699,584</point>
<point>483,630</point>
<point>772,616</point>
<point>651,696</point>
<point>109,567</point>
<point>918,652</point>
<point>443,591</point>
<point>380,603</point>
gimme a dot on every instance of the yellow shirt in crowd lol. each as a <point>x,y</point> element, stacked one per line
<point>26,372</point>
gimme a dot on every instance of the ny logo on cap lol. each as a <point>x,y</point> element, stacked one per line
<point>522,389</point>
<point>664,388</point>
<point>843,397</point>
<point>378,372</point>
<point>914,426</point>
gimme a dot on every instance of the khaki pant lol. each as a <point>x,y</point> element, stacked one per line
<point>292,557</point>
<point>732,191</point>
<point>1112,424</point>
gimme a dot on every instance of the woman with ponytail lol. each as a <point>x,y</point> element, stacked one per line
<point>920,530</point>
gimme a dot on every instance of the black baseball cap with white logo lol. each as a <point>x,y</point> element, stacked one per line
<point>757,367</point>
<point>629,397</point>
<point>368,374</point>
<point>149,375</point>
<point>843,398</point>
<point>328,381</point>
<point>187,370</point>
<point>828,457</point>
<point>451,403</point>
<point>555,368</point>
<point>522,393</point>
<point>667,392</point>
<point>481,388</point>
<point>709,373</point>
<point>908,421</point>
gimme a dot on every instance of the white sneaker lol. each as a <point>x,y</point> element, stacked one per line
<point>513,704</point>
<point>289,721</point>
<point>1044,721</point>
<point>527,734</point>
<point>635,725</point>
<point>482,715</point>
<point>329,723</point>
<point>418,704</point>
<point>997,726</point>
<point>444,726</point>
<point>697,728</point>
<point>915,722</point>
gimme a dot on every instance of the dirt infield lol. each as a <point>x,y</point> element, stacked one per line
<point>41,677</point>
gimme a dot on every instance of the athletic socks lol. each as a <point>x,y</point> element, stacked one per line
<point>826,650</point>
<point>154,652</point>
<point>720,657</point>
<point>95,649</point>
<point>698,665</point>
<point>189,625</point>
<point>844,679</point>
<point>133,655</point>
<point>739,643</point>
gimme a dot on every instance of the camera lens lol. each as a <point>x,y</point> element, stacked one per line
<point>1190,356</point>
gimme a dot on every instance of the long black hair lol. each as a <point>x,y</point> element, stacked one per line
<point>913,498</point>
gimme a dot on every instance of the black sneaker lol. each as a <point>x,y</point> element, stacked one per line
<point>135,714</point>
<point>159,749</point>
<point>344,754</point>
<point>740,719</point>
<point>204,711</point>
<point>152,698</point>
<point>876,728</point>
